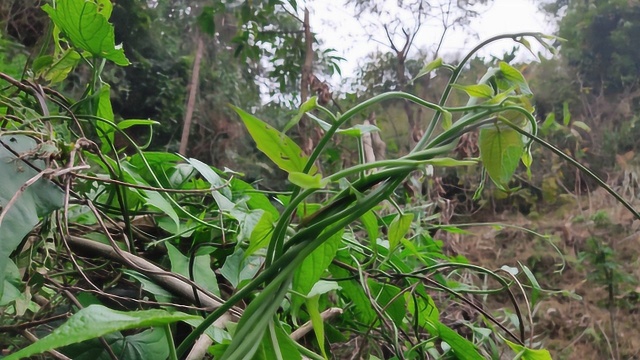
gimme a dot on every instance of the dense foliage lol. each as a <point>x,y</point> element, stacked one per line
<point>112,248</point>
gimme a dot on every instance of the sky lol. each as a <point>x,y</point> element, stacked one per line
<point>338,29</point>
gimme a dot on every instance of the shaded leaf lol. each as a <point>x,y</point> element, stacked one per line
<point>314,266</point>
<point>35,202</point>
<point>95,321</point>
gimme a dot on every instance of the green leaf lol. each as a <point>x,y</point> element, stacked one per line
<point>581,125</point>
<point>276,344</point>
<point>478,91</point>
<point>429,68</point>
<point>307,181</point>
<point>447,120</point>
<point>398,229</point>
<point>203,275</point>
<point>314,266</point>
<point>125,124</point>
<point>106,132</point>
<point>566,114</point>
<point>149,286</point>
<point>206,20</point>
<point>239,267</point>
<point>514,77</point>
<point>535,286</point>
<point>370,223</point>
<point>33,203</point>
<point>322,287</point>
<point>149,344</point>
<point>549,121</point>
<point>307,106</point>
<point>528,354</point>
<point>353,291</point>
<point>56,69</point>
<point>500,151</point>
<point>261,234</point>
<point>450,162</point>
<point>313,308</point>
<point>156,200</point>
<point>461,347</point>
<point>277,146</point>
<point>384,294</point>
<point>95,321</point>
<point>424,307</point>
<point>87,28</point>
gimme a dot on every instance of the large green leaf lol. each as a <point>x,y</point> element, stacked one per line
<point>314,266</point>
<point>36,201</point>
<point>399,228</point>
<point>149,344</point>
<point>277,146</point>
<point>386,295</point>
<point>500,151</point>
<point>462,348</point>
<point>95,321</point>
<point>239,267</point>
<point>86,26</point>
<point>203,275</point>
<point>514,78</point>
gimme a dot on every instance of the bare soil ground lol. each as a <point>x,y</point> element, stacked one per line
<point>571,327</point>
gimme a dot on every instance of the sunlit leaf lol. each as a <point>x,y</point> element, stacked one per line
<point>87,28</point>
<point>500,151</point>
<point>307,106</point>
<point>277,146</point>
<point>514,77</point>
<point>479,90</point>
<point>307,181</point>
<point>399,228</point>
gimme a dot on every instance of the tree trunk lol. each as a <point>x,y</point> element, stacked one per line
<point>193,90</point>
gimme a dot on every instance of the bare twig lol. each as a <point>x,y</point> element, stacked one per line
<point>306,327</point>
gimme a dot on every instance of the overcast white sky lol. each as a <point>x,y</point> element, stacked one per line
<point>338,29</point>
